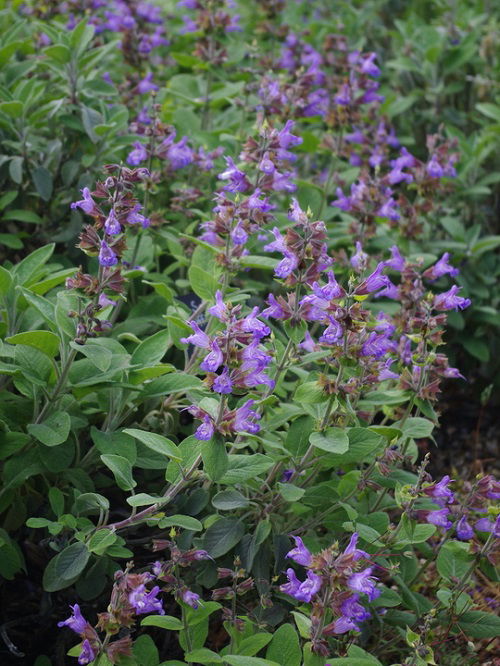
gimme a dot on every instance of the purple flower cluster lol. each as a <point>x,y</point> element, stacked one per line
<point>334,581</point>
<point>485,490</point>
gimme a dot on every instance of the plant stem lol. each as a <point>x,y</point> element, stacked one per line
<point>169,495</point>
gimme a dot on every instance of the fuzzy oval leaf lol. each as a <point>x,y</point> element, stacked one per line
<point>156,443</point>
<point>163,621</point>
<point>222,536</point>
<point>53,431</point>
<point>45,341</point>
<point>122,470</point>
<point>333,440</point>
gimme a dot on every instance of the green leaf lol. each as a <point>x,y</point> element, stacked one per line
<point>64,568</point>
<point>28,216</point>
<point>453,560</point>
<point>416,427</point>
<point>122,470</point>
<point>215,458</point>
<point>143,499</point>
<point>175,383</point>
<point>303,624</point>
<point>45,341</point>
<point>297,438</point>
<point>99,542</point>
<point>152,350</point>
<point>5,281</point>
<point>156,443</point>
<point>412,532</point>
<point>310,392</point>
<point>240,660</point>
<point>59,53</point>
<point>186,522</point>
<point>26,268</point>
<point>479,624</point>
<point>204,284</point>
<point>14,109</point>
<point>43,182</point>
<point>250,645</point>
<point>53,431</point>
<point>222,536</point>
<point>203,656</point>
<point>97,354</point>
<point>163,621</point>
<point>245,467</point>
<point>227,500</point>
<point>16,169</point>
<point>253,261</point>
<point>490,110</point>
<point>284,647</point>
<point>333,440</point>
<point>291,493</point>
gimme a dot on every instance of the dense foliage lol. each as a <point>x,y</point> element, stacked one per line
<point>235,240</point>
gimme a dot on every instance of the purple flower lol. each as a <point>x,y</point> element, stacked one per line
<point>76,622</point>
<point>368,66</point>
<point>104,301</point>
<point>245,417</point>
<point>238,235</point>
<point>277,245</point>
<point>385,372</point>
<point>439,518</point>
<point>146,84</point>
<point>206,430</point>
<point>255,203</point>
<point>397,261</point>
<point>464,530</point>
<point>352,609</point>
<point>112,225</point>
<point>282,181</point>
<point>343,97</point>
<point>237,178</point>
<point>134,217</point>
<point>287,475</point>
<point>342,202</point>
<point>440,268</point>
<point>106,255</point>
<point>351,549</point>
<point>274,310</point>
<point>440,491</point>
<point>138,155</point>
<point>332,333</point>
<point>179,154</point>
<point>301,591</point>
<point>389,210</point>
<point>191,598</point>
<point>485,525</point>
<point>223,383</point>
<point>214,359</point>
<point>344,624</point>
<point>308,343</point>
<point>189,25</point>
<point>199,337</point>
<point>143,601</point>
<point>266,164</point>
<point>374,281</point>
<point>434,169</point>
<point>87,204</point>
<point>218,310</point>
<point>87,653</point>
<point>450,301</point>
<point>251,324</point>
<point>287,265</point>
<point>300,553</point>
<point>365,583</point>
<point>286,138</point>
